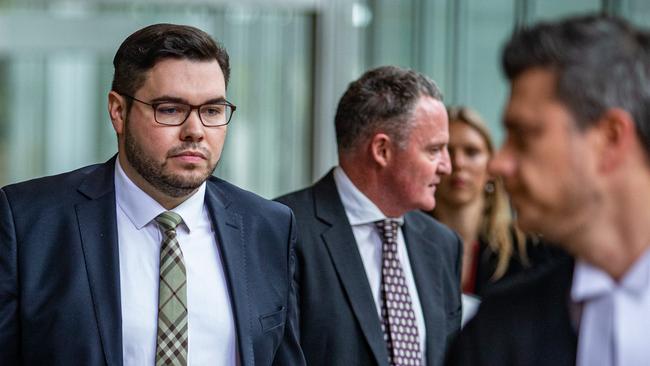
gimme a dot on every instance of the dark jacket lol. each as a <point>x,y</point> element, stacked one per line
<point>339,324</point>
<point>60,278</point>
<point>526,323</point>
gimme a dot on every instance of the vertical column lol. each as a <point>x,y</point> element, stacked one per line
<point>26,124</point>
<point>69,115</point>
<point>339,60</point>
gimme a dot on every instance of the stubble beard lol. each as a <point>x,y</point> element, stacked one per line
<point>172,185</point>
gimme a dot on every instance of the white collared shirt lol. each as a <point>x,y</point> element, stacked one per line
<point>362,214</point>
<point>615,320</point>
<point>211,329</point>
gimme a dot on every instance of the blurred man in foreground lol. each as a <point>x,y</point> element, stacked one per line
<point>576,161</point>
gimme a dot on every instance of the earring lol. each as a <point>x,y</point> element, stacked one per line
<point>489,187</point>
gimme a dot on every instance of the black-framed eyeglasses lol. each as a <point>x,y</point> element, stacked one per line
<point>175,114</point>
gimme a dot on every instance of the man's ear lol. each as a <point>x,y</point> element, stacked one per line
<point>617,134</point>
<point>381,149</point>
<point>117,111</point>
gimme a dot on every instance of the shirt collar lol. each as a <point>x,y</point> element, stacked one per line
<point>141,208</point>
<point>358,207</point>
<point>590,281</point>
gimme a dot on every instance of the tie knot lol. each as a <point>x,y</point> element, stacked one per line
<point>388,229</point>
<point>168,220</point>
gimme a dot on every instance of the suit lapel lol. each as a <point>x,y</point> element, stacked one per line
<point>343,250</point>
<point>228,227</point>
<point>98,228</point>
<point>425,264</point>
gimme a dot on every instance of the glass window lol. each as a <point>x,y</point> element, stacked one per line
<point>481,85</point>
<point>555,9</point>
<point>53,88</point>
<point>638,11</point>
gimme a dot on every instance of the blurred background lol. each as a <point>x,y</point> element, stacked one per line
<point>291,61</point>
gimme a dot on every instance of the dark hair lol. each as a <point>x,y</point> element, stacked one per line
<point>143,49</point>
<point>600,62</point>
<point>382,99</point>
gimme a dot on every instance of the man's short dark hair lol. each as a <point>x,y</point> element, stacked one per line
<point>143,49</point>
<point>599,62</point>
<point>383,99</point>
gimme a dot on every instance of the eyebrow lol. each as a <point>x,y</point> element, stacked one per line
<point>172,99</point>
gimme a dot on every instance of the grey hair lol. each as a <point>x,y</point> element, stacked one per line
<point>382,99</point>
<point>600,62</point>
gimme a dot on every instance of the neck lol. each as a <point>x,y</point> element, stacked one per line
<point>618,234</point>
<point>368,181</point>
<point>610,249</point>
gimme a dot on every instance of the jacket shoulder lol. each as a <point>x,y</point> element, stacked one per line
<point>547,284</point>
<point>297,199</point>
<point>304,200</point>
<point>431,225</point>
<point>246,200</point>
<point>54,188</point>
<point>526,322</point>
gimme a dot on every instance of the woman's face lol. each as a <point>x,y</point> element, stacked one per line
<point>469,160</point>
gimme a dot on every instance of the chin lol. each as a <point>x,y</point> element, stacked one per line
<point>188,179</point>
<point>427,206</point>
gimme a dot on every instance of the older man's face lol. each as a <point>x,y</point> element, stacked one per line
<point>547,164</point>
<point>413,173</point>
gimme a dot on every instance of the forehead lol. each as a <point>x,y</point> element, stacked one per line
<point>430,120</point>
<point>462,133</point>
<point>185,78</point>
<point>531,94</point>
<point>431,112</point>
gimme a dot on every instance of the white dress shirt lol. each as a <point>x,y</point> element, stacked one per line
<point>211,328</point>
<point>615,320</point>
<point>362,214</point>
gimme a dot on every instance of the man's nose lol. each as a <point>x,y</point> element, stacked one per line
<point>502,163</point>
<point>193,129</point>
<point>444,167</point>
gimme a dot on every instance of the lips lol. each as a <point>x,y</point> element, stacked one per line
<point>190,154</point>
<point>458,182</point>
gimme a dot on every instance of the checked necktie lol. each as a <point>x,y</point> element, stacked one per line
<point>171,342</point>
<point>397,315</point>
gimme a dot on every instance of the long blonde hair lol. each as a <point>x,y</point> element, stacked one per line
<point>497,226</point>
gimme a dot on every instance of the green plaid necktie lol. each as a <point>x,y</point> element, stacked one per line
<point>171,343</point>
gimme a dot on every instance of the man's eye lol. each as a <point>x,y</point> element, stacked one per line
<point>170,109</point>
<point>212,110</point>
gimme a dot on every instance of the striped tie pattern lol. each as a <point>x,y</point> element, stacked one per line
<point>397,315</point>
<point>171,343</point>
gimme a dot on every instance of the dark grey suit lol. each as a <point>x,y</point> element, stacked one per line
<point>60,278</point>
<point>339,324</point>
<point>526,323</point>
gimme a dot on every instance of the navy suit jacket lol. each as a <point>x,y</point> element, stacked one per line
<point>524,323</point>
<point>339,324</point>
<point>60,282</point>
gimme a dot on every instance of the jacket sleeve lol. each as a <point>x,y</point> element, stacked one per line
<point>289,351</point>
<point>9,328</point>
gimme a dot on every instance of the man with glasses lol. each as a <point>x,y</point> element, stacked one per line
<point>149,259</point>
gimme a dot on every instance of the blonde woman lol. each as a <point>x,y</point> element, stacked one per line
<point>476,206</point>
